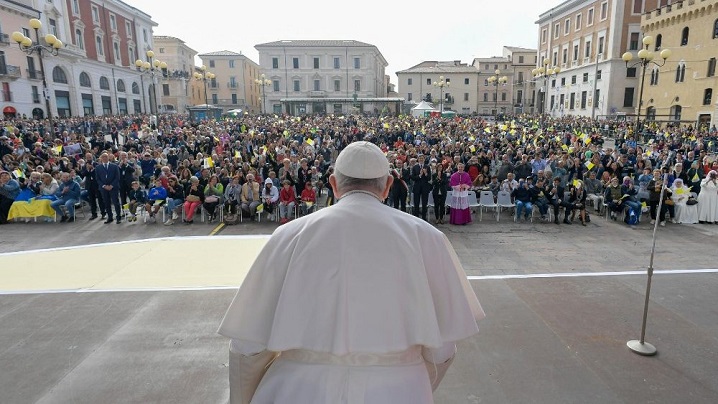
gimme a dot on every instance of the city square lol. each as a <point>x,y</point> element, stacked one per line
<point>146,167</point>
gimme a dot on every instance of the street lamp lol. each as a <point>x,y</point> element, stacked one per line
<point>495,80</point>
<point>545,72</point>
<point>204,77</point>
<point>441,84</point>
<point>28,46</point>
<point>152,68</point>
<point>645,58</point>
<point>262,81</point>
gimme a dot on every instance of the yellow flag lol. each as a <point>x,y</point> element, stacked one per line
<point>208,162</point>
<point>57,149</point>
<point>487,130</point>
<point>472,148</point>
<point>236,154</point>
<point>310,142</point>
<point>216,139</point>
<point>564,147</point>
<point>680,191</point>
<point>19,173</point>
<point>590,165</point>
<point>695,178</point>
<point>386,125</point>
<point>575,182</point>
<point>557,138</point>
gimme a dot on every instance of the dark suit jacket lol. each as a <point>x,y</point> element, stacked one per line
<point>421,181</point>
<point>109,176</point>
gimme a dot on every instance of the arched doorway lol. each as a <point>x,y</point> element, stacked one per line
<point>9,112</point>
<point>38,113</point>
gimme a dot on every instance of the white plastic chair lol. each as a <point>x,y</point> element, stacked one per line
<point>486,200</point>
<point>504,201</point>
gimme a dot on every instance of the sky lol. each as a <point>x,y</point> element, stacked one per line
<point>406,33</point>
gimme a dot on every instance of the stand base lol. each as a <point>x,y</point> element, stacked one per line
<point>644,348</point>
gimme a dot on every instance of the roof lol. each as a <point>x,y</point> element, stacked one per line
<point>432,66</point>
<point>221,53</point>
<point>314,43</point>
<point>519,49</point>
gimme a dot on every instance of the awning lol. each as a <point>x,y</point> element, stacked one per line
<point>9,110</point>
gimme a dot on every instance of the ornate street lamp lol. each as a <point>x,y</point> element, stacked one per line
<point>496,80</point>
<point>545,72</point>
<point>28,46</point>
<point>204,77</point>
<point>152,67</point>
<point>645,57</point>
<point>263,82</point>
<point>441,84</point>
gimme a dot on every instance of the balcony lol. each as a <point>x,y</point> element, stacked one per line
<point>4,39</point>
<point>229,102</point>
<point>9,71</point>
<point>318,93</point>
<point>34,74</point>
<point>6,96</point>
<point>233,85</point>
<point>448,100</point>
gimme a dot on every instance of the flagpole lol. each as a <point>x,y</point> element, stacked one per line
<point>642,347</point>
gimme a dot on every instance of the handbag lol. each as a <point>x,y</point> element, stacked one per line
<point>669,202</point>
<point>192,198</point>
<point>691,201</point>
<point>211,199</point>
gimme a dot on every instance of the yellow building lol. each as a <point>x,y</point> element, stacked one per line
<point>233,85</point>
<point>684,88</point>
<point>175,91</point>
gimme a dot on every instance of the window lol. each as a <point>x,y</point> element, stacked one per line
<point>631,72</point>
<point>466,81</point>
<point>296,85</point>
<point>232,82</point>
<point>165,90</point>
<point>589,17</point>
<point>633,43</point>
<point>604,10</point>
<point>543,34</point>
<point>231,63</point>
<point>104,83</point>
<point>486,97</point>
<point>275,85</point>
<point>35,95</point>
<point>428,82</point>
<point>684,36</point>
<point>637,6</point>
<point>357,63</point>
<point>122,106</point>
<point>503,96</point>
<point>572,101</point>
<point>408,96</point>
<point>578,22</point>
<point>556,30</point>
<point>600,45</point>
<point>85,80</point>
<point>95,15</point>
<point>106,105</point>
<point>53,26</point>
<point>585,77</point>
<point>62,100</point>
<point>87,105</point>
<point>58,75</point>
<point>628,97</point>
<point>448,81</point>
<point>116,49</point>
<point>316,63</point>
<point>120,86</point>
<point>128,29</point>
<point>715,29</point>
<point>76,7</point>
<point>521,59</point>
<point>135,88</point>
<point>563,81</point>
<point>659,39</point>
<point>295,63</point>
<point>654,77</point>
<point>211,63</point>
<point>575,53</point>
<point>234,99</point>
<point>587,50</point>
<point>466,96</point>
<point>707,96</point>
<point>493,97</point>
<point>317,85</point>
<point>113,23</point>
<point>555,59</point>
<point>676,112</point>
<point>573,79</point>
<point>144,34</point>
<point>651,113</point>
<point>78,39</point>
<point>337,85</point>
<point>680,73</point>
<point>519,96</point>
<point>520,78</point>
<point>357,86</point>
<point>215,98</point>
<point>596,98</point>
<point>275,63</point>
<point>98,44</point>
<point>564,56</point>
<point>711,67</point>
<point>336,63</point>
<point>409,81</point>
<point>584,96</point>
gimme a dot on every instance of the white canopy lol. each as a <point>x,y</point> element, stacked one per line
<point>423,106</point>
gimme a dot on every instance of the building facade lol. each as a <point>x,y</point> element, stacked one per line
<point>516,95</point>
<point>20,94</point>
<point>94,73</point>
<point>459,94</point>
<point>175,85</point>
<point>234,85</point>
<point>324,76</point>
<point>585,39</point>
<point>685,88</point>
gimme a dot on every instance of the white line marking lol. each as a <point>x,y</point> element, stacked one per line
<point>471,278</point>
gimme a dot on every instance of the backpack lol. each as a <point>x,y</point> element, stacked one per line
<point>631,217</point>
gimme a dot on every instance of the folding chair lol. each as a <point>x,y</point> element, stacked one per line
<point>486,200</point>
<point>504,201</point>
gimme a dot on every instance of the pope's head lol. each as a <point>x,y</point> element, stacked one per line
<point>361,166</point>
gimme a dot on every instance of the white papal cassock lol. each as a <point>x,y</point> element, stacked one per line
<point>351,294</point>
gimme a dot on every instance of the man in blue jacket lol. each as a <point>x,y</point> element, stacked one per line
<point>68,194</point>
<point>108,180</point>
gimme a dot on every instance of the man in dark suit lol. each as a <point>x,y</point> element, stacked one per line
<point>557,198</point>
<point>421,175</point>
<point>92,190</point>
<point>108,180</point>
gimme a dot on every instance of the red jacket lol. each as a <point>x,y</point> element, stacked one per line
<point>287,195</point>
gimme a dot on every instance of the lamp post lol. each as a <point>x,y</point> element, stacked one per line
<point>645,57</point>
<point>152,67</point>
<point>28,46</point>
<point>496,80</point>
<point>441,84</point>
<point>204,77</point>
<point>263,82</point>
<point>545,72</point>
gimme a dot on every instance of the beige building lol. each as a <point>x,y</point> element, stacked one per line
<point>20,95</point>
<point>175,87</point>
<point>585,39</point>
<point>684,89</point>
<point>234,85</point>
<point>516,94</point>
<point>458,94</point>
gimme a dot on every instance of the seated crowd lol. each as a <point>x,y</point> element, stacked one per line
<point>279,165</point>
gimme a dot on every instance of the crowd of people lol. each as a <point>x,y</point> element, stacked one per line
<point>228,169</point>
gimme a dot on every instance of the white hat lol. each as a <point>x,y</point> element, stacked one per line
<point>362,160</point>
<point>268,181</point>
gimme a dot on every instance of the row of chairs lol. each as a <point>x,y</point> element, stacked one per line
<point>484,201</point>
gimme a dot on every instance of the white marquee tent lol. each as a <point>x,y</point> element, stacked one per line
<point>422,107</point>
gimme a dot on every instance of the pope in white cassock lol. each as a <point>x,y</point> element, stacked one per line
<point>356,303</point>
